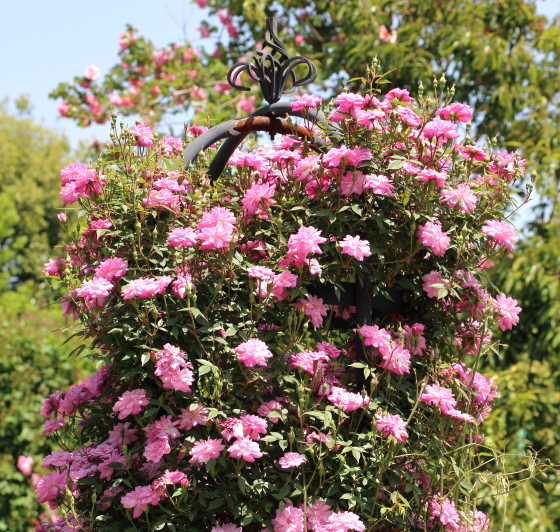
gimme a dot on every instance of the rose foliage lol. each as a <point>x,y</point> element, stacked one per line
<point>225,399</point>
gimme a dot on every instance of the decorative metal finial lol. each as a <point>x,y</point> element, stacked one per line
<point>269,71</point>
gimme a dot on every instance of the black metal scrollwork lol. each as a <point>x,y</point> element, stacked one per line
<point>269,71</point>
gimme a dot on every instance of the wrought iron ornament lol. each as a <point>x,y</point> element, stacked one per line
<point>269,71</point>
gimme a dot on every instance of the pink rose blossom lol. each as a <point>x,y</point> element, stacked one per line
<point>329,349</point>
<point>161,198</point>
<point>227,527</point>
<point>387,36</point>
<point>51,487</point>
<point>306,100</point>
<point>306,168</point>
<point>215,217</point>
<point>306,241</point>
<point>246,449</point>
<point>291,460</point>
<point>353,246</point>
<point>313,363</point>
<point>247,104</point>
<point>352,183</point>
<point>173,369</point>
<point>391,425</point>
<point>182,285</point>
<point>191,417</point>
<point>121,434</point>
<point>92,73</point>
<point>94,291</point>
<point>414,340</point>
<point>369,118</point>
<point>257,199</point>
<point>290,519</point>
<point>260,272</point>
<point>253,426</point>
<point>373,335</point>
<point>480,523</point>
<point>399,94</point>
<point>146,287</point>
<point>143,134</point>
<point>348,401</point>
<point>456,112</point>
<point>430,174</point>
<point>436,395</point>
<point>111,269</point>
<point>472,152</point>
<point>462,196</point>
<point>446,513</point>
<point>156,449</point>
<point>53,425</point>
<point>170,183</point>
<point>442,129</point>
<point>408,116</point>
<point>217,237</point>
<point>434,282</point>
<point>379,184</point>
<point>396,360</point>
<point>313,308</point>
<point>457,414</point>
<point>182,237</point>
<point>344,522</point>
<point>64,108</point>
<point>24,464</point>
<point>335,156</point>
<point>115,99</point>
<point>205,450</point>
<point>318,514</point>
<point>231,428</point>
<point>501,232</point>
<point>348,102</point>
<point>139,499</point>
<point>507,311</point>
<point>253,352</point>
<point>432,236</point>
<point>54,267</point>
<point>131,402</point>
<point>269,410</point>
<point>175,477</point>
<point>57,459</point>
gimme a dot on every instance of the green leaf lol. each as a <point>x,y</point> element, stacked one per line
<point>216,503</point>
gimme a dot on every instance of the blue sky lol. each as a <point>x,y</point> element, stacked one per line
<point>46,42</point>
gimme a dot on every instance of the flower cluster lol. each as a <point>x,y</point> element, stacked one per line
<point>242,384</point>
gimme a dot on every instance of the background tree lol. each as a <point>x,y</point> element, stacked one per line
<point>30,160</point>
<point>528,371</point>
<point>33,363</point>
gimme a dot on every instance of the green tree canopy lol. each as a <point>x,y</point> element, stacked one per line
<point>31,157</point>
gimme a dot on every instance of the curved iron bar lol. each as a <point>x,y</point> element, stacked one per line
<point>271,72</point>
<point>234,137</point>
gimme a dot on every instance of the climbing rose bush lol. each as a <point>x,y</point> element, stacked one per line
<point>231,395</point>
